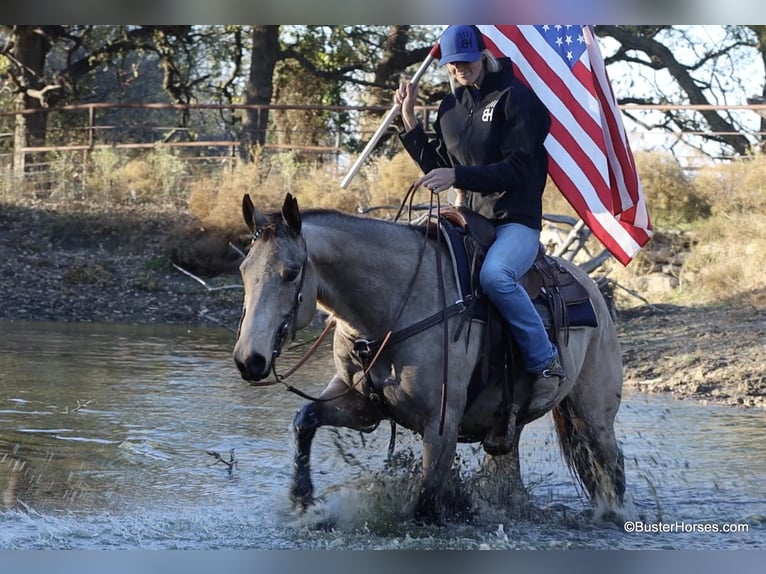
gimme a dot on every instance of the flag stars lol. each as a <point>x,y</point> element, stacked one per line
<point>567,40</point>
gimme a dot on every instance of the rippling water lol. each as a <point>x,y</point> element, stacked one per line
<point>105,434</point>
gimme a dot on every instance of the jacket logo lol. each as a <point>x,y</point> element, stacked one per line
<point>489,110</point>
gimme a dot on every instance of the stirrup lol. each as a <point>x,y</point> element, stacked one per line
<point>552,376</point>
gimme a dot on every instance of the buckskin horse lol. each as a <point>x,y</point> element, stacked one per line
<point>378,278</point>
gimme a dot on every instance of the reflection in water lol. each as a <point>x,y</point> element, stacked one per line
<point>105,433</point>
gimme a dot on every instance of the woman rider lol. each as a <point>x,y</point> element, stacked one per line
<point>489,145</point>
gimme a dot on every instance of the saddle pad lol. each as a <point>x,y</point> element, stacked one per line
<point>455,238</point>
<point>580,314</point>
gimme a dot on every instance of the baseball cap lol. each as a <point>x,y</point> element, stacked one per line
<point>460,44</point>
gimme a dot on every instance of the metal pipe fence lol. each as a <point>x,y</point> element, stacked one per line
<point>206,137</point>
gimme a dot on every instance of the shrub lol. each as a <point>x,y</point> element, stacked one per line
<point>738,187</point>
<point>671,195</point>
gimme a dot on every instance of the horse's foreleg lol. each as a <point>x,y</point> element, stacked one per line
<point>350,410</point>
<point>305,424</point>
<point>438,455</point>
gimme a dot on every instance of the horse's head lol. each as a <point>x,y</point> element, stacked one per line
<point>280,288</point>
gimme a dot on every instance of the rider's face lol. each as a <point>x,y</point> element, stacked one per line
<point>466,73</point>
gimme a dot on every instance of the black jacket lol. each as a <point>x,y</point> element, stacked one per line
<point>494,140</point>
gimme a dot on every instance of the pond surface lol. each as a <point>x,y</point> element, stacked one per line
<point>106,433</point>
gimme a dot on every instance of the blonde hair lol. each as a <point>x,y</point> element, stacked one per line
<point>490,65</point>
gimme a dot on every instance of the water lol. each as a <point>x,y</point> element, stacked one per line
<point>105,435</point>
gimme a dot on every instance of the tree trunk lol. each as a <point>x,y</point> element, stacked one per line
<point>30,48</point>
<point>263,59</point>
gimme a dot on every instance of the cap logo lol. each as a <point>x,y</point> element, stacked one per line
<point>465,40</point>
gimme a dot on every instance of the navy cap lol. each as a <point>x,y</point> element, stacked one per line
<point>460,44</point>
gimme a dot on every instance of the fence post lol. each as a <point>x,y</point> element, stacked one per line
<point>19,143</point>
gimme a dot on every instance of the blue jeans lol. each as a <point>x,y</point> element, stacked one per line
<point>508,258</point>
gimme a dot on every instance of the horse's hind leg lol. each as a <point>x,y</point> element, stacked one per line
<point>587,439</point>
<point>500,483</point>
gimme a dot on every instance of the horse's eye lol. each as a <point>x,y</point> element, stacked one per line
<point>290,274</point>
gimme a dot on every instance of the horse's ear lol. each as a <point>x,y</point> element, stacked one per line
<point>291,214</point>
<point>253,218</point>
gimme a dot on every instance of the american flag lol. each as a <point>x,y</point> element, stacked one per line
<point>590,159</point>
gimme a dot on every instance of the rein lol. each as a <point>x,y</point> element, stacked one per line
<point>369,350</point>
<point>365,347</point>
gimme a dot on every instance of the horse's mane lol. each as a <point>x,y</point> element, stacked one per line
<point>333,216</point>
<point>350,223</point>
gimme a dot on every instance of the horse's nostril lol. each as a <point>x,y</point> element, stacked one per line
<point>253,368</point>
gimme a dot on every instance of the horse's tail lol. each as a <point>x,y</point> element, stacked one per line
<point>600,474</point>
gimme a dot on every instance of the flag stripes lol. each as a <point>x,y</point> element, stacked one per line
<point>590,159</point>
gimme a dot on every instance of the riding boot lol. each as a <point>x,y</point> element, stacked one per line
<point>545,388</point>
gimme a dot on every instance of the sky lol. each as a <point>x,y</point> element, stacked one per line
<point>733,85</point>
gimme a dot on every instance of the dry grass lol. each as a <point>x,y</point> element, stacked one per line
<point>726,259</point>
<point>720,210</point>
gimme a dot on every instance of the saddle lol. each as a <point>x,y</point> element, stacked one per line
<point>560,299</point>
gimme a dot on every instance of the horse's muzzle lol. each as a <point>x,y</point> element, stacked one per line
<point>253,368</point>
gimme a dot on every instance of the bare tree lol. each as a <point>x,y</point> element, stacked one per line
<point>701,73</point>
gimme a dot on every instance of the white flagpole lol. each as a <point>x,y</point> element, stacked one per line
<point>389,117</point>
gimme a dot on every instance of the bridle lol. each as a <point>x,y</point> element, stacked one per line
<point>367,350</point>
<point>287,326</point>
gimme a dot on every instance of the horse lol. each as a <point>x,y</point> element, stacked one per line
<point>376,277</point>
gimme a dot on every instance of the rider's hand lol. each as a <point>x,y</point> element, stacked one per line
<point>405,97</point>
<point>437,180</point>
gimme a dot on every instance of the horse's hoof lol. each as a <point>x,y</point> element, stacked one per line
<point>427,517</point>
<point>302,497</point>
<point>496,445</point>
<point>302,502</point>
<point>427,511</point>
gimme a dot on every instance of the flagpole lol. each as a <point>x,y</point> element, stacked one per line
<point>389,117</point>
